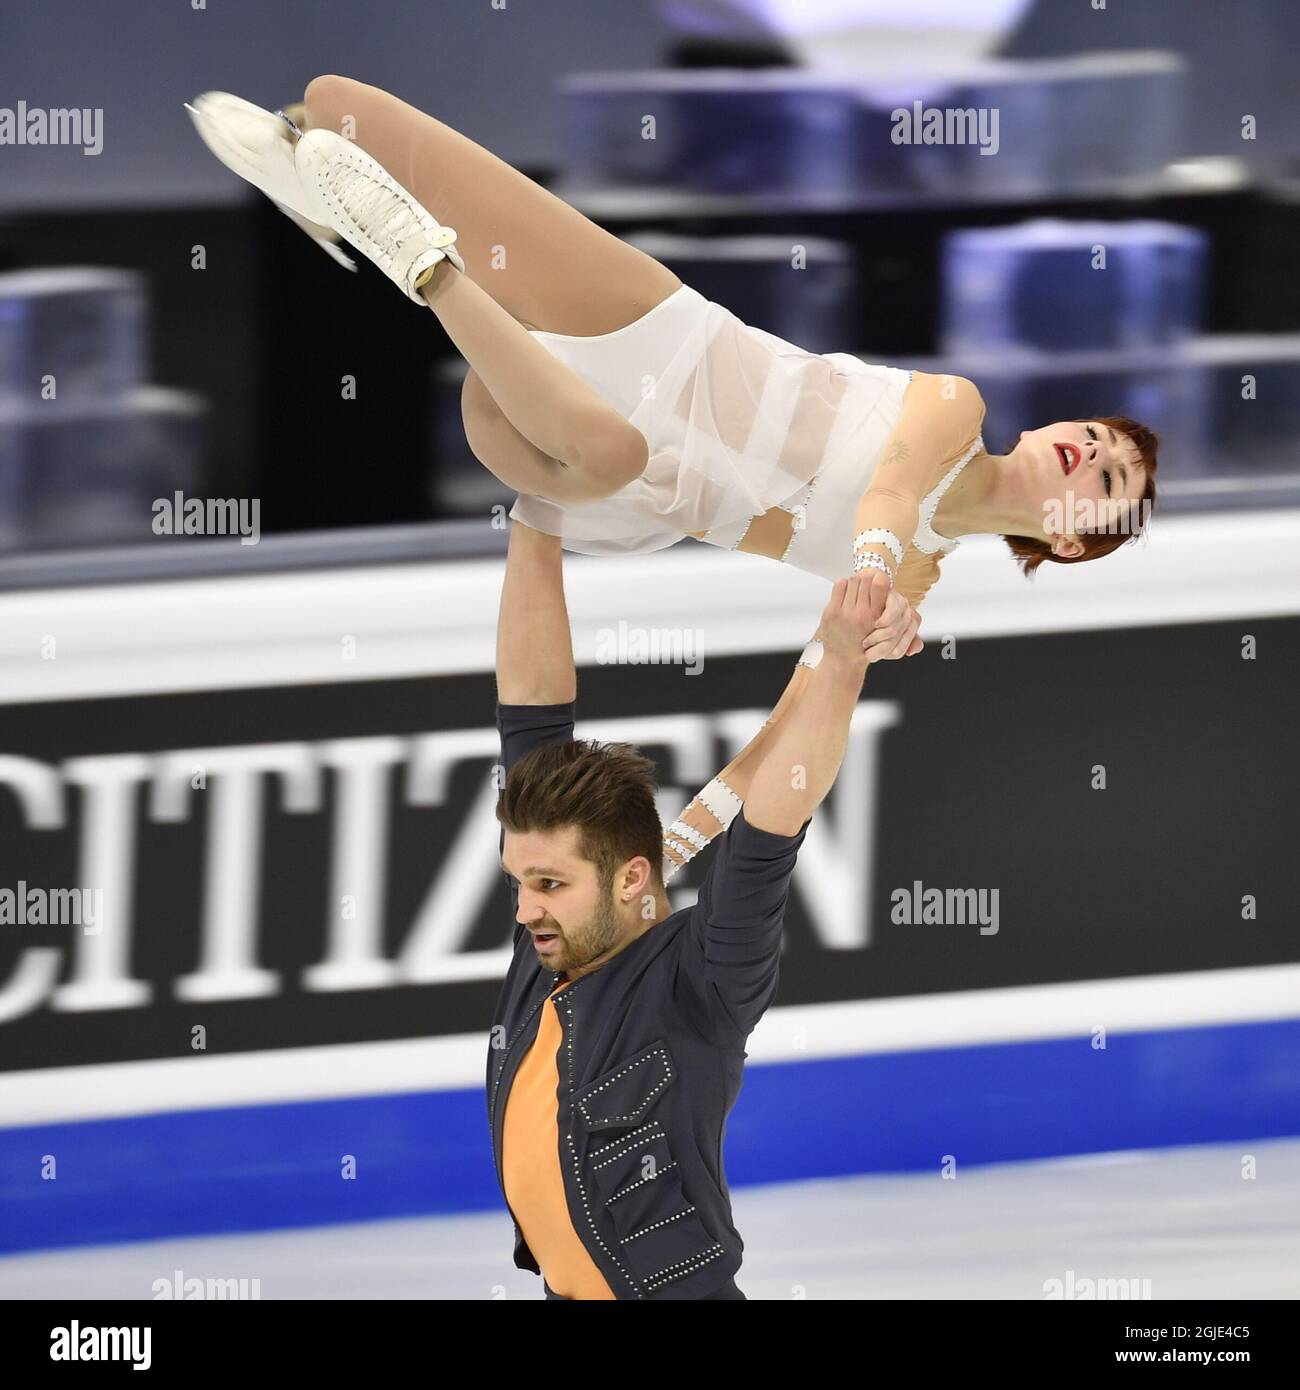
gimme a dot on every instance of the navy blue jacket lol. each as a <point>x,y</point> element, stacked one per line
<point>650,1066</point>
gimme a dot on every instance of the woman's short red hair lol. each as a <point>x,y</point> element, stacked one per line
<point>1030,551</point>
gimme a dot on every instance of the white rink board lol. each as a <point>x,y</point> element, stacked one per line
<point>440,618</point>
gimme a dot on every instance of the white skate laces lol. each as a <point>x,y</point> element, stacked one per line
<point>388,217</point>
<point>363,201</point>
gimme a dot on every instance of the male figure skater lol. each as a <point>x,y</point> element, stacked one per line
<point>618,1040</point>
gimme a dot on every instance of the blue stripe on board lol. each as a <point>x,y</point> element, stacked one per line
<point>268,1166</point>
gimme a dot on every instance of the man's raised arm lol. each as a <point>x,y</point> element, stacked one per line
<point>712,809</point>
<point>737,922</point>
<point>534,644</point>
<point>536,681</point>
<point>803,757</point>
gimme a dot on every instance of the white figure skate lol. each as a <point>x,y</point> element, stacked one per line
<point>347,189</point>
<point>258,145</point>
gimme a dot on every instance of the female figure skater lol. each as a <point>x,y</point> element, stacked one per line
<point>629,411</point>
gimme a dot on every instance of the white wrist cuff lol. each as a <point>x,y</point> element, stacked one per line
<point>720,801</point>
<point>872,562</point>
<point>812,654</point>
<point>877,535</point>
<point>671,865</point>
<point>679,830</point>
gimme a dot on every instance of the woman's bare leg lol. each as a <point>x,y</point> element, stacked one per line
<point>544,262</point>
<point>577,448</point>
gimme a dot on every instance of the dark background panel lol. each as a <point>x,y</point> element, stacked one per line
<point>984,783</point>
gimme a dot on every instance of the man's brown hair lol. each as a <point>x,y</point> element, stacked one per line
<point>606,791</point>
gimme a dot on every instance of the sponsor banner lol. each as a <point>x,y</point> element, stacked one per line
<point>289,867</point>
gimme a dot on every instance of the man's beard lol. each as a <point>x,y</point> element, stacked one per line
<point>601,931</point>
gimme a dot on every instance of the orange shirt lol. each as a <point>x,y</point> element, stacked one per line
<point>530,1162</point>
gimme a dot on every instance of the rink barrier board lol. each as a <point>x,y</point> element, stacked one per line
<point>196,634</point>
<point>205,1172</point>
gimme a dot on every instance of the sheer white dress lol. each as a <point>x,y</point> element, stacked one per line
<point>738,422</point>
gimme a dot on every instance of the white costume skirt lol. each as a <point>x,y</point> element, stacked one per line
<point>737,421</point>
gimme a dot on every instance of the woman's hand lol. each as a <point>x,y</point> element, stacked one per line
<point>895,634</point>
